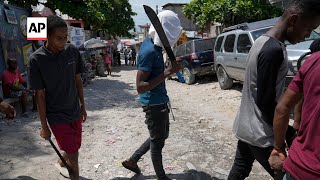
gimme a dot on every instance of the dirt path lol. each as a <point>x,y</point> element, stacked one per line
<point>201,144</point>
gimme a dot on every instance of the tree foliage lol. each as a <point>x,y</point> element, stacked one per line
<point>229,12</point>
<point>111,16</point>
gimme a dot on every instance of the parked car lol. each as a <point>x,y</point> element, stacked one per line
<point>198,57</point>
<point>233,45</point>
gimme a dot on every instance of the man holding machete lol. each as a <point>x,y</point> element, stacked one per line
<point>150,84</point>
<point>55,70</point>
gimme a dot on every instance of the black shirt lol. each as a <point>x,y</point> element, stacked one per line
<point>55,73</point>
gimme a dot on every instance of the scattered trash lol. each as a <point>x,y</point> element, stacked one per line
<point>96,166</point>
<point>208,138</point>
<point>191,166</point>
<point>170,168</point>
<point>220,171</point>
<point>110,141</point>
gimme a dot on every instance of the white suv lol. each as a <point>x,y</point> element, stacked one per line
<point>233,45</point>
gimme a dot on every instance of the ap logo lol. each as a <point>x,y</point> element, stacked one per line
<point>37,28</point>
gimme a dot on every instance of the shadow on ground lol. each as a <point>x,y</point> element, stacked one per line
<point>189,175</point>
<point>123,67</point>
<point>104,93</point>
<point>18,142</point>
<point>30,178</point>
<point>22,178</point>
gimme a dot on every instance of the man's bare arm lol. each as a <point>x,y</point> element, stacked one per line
<point>297,114</point>
<point>79,86</point>
<point>282,114</point>
<point>143,85</point>
<point>41,103</point>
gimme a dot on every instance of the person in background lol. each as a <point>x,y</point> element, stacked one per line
<point>15,86</point>
<point>133,56</point>
<point>107,59</point>
<point>126,56</point>
<point>118,57</point>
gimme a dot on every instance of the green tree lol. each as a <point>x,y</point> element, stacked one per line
<point>229,12</point>
<point>111,16</point>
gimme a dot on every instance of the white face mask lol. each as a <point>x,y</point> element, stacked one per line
<point>171,26</point>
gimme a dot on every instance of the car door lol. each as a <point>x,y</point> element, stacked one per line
<point>243,47</point>
<point>230,56</point>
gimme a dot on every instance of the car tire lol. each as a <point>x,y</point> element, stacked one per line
<point>224,80</point>
<point>188,76</point>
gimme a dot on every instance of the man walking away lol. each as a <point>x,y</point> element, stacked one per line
<point>150,83</point>
<point>264,83</point>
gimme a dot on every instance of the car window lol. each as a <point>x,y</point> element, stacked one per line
<point>189,48</point>
<point>258,33</point>
<point>219,43</point>
<point>313,36</point>
<point>243,44</point>
<point>204,45</point>
<point>229,43</point>
<point>179,50</point>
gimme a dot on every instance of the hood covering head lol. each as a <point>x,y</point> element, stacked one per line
<point>171,26</point>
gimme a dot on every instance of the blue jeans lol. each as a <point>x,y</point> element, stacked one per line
<point>180,77</point>
<point>157,120</point>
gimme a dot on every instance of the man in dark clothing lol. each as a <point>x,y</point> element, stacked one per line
<point>55,70</point>
<point>264,83</point>
<point>118,57</point>
<point>126,53</point>
<point>150,83</point>
<point>133,56</point>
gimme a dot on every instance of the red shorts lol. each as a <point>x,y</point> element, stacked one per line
<point>68,136</point>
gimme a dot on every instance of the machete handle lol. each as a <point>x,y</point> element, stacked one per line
<point>70,170</point>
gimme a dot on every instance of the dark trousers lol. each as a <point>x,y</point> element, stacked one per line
<point>126,60</point>
<point>157,120</point>
<point>288,177</point>
<point>245,156</point>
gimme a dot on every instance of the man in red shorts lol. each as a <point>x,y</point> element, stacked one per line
<point>55,70</point>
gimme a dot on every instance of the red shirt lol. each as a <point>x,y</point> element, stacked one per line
<point>13,78</point>
<point>303,160</point>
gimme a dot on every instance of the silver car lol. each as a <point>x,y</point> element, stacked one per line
<point>232,48</point>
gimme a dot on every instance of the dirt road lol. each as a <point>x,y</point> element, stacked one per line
<point>201,143</point>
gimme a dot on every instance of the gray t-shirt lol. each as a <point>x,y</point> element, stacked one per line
<point>264,83</point>
<point>55,73</point>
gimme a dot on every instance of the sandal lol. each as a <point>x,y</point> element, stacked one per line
<point>132,166</point>
<point>63,171</point>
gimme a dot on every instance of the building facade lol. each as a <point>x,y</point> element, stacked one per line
<point>188,25</point>
<point>13,36</point>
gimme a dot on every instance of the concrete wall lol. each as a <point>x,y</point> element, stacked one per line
<point>186,24</point>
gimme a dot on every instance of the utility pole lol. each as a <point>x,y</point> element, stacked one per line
<point>157,9</point>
